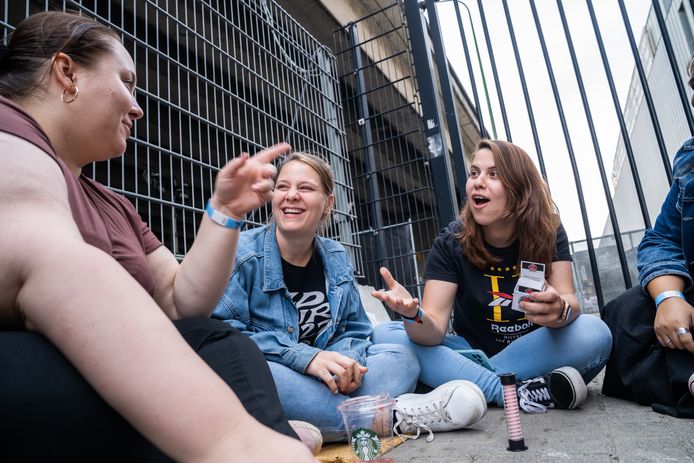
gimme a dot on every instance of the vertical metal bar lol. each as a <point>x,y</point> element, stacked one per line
<point>375,211</point>
<point>179,100</point>
<point>151,173</point>
<point>333,143</point>
<point>439,163</point>
<point>414,257</point>
<point>199,103</point>
<point>176,214</point>
<point>620,117</point>
<point>572,156</point>
<point>189,117</point>
<point>524,85</point>
<point>673,63</point>
<point>647,93</point>
<point>266,139</point>
<point>162,178</point>
<point>479,63</point>
<point>450,108</point>
<point>497,83</point>
<point>137,92</point>
<point>598,156</point>
<point>468,62</point>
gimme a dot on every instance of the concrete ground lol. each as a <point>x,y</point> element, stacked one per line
<point>602,430</point>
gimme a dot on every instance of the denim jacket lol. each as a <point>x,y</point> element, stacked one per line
<point>256,301</point>
<point>668,248</point>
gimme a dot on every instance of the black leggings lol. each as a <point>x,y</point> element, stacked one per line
<point>48,412</point>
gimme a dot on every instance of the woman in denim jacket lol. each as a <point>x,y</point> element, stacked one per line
<point>652,359</point>
<point>666,256</point>
<point>294,294</point>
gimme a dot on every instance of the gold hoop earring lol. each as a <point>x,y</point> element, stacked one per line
<point>74,97</point>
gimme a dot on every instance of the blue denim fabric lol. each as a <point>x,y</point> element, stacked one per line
<point>256,302</point>
<point>668,247</point>
<point>392,369</point>
<point>584,344</point>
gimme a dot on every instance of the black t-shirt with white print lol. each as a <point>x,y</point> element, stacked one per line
<point>482,309</point>
<point>306,286</point>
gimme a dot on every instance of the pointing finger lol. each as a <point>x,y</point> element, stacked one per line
<point>235,164</point>
<point>271,153</point>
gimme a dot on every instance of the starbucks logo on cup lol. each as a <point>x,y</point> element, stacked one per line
<point>365,444</point>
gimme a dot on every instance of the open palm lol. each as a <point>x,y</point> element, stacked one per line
<point>245,183</point>
<point>397,298</point>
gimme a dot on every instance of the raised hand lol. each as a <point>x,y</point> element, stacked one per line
<point>245,183</point>
<point>338,372</point>
<point>397,298</point>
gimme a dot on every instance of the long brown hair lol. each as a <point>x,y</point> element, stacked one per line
<point>528,202</point>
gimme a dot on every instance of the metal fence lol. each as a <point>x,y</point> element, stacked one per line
<point>218,78</point>
<point>552,81</point>
<point>396,205</point>
<point>215,79</point>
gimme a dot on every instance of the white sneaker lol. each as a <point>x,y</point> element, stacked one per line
<point>452,405</point>
<point>308,434</point>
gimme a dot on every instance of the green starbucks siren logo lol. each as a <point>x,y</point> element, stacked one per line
<point>366,444</point>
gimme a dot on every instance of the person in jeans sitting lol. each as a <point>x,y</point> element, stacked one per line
<point>652,358</point>
<point>293,293</point>
<point>472,272</point>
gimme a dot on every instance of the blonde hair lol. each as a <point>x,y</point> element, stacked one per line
<point>322,168</point>
<point>319,166</point>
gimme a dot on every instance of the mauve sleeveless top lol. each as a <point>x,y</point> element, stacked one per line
<point>105,219</point>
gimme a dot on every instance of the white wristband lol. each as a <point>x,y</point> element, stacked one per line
<point>667,294</point>
<point>221,219</point>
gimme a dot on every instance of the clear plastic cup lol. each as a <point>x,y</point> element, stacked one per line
<point>368,424</point>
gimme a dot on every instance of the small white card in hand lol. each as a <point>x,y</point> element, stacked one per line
<point>532,279</point>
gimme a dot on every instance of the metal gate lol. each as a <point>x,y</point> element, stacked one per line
<point>395,200</point>
<point>218,78</point>
<point>650,123</point>
<point>215,79</point>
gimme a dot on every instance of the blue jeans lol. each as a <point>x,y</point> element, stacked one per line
<point>392,368</point>
<point>584,344</point>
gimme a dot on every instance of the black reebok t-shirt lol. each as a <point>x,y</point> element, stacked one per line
<point>482,309</point>
<point>306,286</point>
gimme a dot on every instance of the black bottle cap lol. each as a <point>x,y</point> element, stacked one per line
<point>507,378</point>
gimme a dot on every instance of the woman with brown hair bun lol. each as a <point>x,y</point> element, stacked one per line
<point>474,271</point>
<point>88,293</point>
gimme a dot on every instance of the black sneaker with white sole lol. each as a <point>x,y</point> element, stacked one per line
<point>561,388</point>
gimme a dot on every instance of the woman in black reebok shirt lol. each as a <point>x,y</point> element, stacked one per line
<point>472,272</point>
